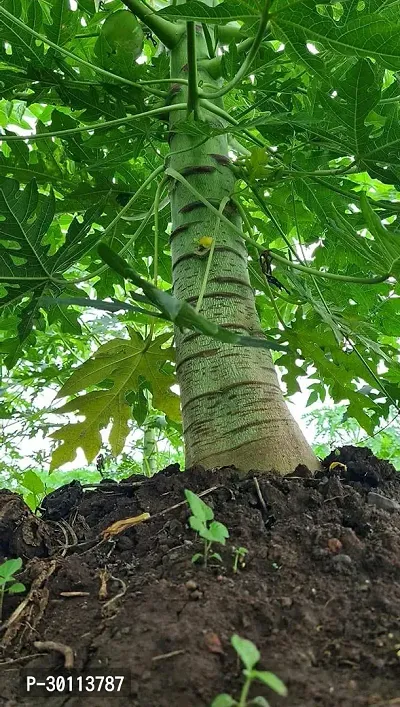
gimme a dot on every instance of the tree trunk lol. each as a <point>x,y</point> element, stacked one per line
<point>233,408</point>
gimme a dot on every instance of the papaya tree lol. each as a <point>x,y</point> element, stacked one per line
<point>222,179</point>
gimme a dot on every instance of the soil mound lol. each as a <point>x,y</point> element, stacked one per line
<point>319,594</point>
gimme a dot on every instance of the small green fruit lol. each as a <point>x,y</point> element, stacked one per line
<point>123,32</point>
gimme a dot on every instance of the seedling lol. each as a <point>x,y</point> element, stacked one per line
<point>7,580</point>
<point>239,554</point>
<point>249,655</point>
<point>202,521</point>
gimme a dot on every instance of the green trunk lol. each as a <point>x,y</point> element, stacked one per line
<point>233,408</point>
<point>149,464</point>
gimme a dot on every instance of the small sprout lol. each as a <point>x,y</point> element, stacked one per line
<point>202,521</point>
<point>239,557</point>
<point>249,655</point>
<point>7,580</point>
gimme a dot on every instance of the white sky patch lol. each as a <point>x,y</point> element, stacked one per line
<point>333,94</point>
<point>297,404</point>
<point>312,48</point>
<point>306,251</point>
<point>17,129</point>
<point>382,368</point>
<point>73,5</point>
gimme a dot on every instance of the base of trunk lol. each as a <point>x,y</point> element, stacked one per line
<point>268,455</point>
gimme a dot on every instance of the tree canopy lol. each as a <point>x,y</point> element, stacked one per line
<point>313,123</point>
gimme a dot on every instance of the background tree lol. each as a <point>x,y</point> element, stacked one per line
<point>227,145</point>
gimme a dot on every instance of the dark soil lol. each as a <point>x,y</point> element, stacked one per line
<point>319,595</point>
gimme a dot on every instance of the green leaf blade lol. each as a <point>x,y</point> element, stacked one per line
<point>246,650</point>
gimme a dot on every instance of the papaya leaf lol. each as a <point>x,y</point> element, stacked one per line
<point>125,362</point>
<point>387,243</point>
<point>24,46</point>
<point>224,12</point>
<point>365,34</point>
<point>25,216</point>
<point>27,267</point>
<point>356,94</point>
<point>64,23</point>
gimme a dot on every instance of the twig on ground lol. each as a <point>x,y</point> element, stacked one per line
<point>66,651</point>
<point>109,603</point>
<point>164,656</point>
<point>260,496</point>
<point>36,599</point>
<point>104,576</point>
<point>21,658</point>
<point>184,503</point>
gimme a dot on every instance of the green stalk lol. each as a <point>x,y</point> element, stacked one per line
<point>167,32</point>
<point>192,94</point>
<point>173,173</point>
<point>356,195</point>
<point>169,81</point>
<point>207,546</point>
<point>231,32</point>
<point>245,692</point>
<point>249,58</point>
<point>10,278</point>
<point>97,126</point>
<point>247,224</point>
<point>223,114</point>
<point>149,450</point>
<point>157,198</point>
<point>350,169</point>
<point>210,256</point>
<point>213,67</point>
<point>209,42</point>
<point>395,99</point>
<point>272,218</point>
<point>328,275</point>
<point>235,562</point>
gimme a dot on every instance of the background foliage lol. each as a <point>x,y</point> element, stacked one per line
<point>314,131</point>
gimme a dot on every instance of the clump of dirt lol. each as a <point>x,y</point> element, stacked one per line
<point>319,594</point>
